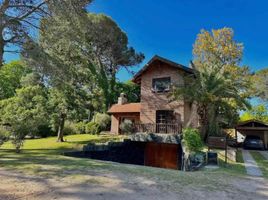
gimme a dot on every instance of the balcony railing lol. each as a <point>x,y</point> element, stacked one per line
<point>158,128</point>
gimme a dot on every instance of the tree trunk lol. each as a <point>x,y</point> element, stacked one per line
<point>203,114</point>
<point>1,52</point>
<point>60,129</point>
<point>192,115</point>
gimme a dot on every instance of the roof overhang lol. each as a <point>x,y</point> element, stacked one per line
<point>137,76</point>
<point>125,108</point>
<point>252,125</point>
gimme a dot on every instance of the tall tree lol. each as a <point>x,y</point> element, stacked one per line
<point>92,43</point>
<point>17,18</point>
<point>219,84</point>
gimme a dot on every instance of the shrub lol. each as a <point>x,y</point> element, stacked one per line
<point>69,128</point>
<point>192,139</point>
<point>103,120</point>
<point>80,127</point>
<point>44,131</point>
<point>93,128</point>
<point>4,135</point>
<point>126,127</point>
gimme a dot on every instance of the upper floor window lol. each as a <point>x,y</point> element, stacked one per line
<point>161,84</point>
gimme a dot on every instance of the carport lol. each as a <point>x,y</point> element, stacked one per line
<point>253,127</point>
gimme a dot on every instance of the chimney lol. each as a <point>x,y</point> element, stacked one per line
<point>122,99</point>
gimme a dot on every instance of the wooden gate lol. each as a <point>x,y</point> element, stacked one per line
<point>162,155</point>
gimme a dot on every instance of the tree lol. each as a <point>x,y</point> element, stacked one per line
<point>73,59</point>
<point>17,18</point>
<point>131,90</point>
<point>10,76</point>
<point>65,103</point>
<point>92,45</point>
<point>258,112</point>
<point>24,112</point>
<point>214,90</point>
<point>261,84</point>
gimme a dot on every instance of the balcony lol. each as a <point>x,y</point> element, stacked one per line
<point>158,128</point>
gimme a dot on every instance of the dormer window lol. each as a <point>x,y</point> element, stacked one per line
<point>161,84</point>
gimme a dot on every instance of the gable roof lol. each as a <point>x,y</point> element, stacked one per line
<point>164,60</point>
<point>252,123</point>
<point>125,108</point>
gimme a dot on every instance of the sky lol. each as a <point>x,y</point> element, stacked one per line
<point>169,28</point>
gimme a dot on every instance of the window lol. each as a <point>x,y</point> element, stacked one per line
<point>164,116</point>
<point>161,84</point>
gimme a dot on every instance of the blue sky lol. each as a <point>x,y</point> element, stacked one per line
<point>169,28</point>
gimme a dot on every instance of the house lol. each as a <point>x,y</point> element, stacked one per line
<point>155,112</point>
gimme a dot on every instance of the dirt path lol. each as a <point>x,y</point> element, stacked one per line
<point>116,186</point>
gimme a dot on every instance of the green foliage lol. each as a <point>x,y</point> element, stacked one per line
<point>129,88</point>
<point>103,120</point>
<point>126,127</point>
<point>258,112</point>
<point>10,75</point>
<point>192,140</point>
<point>219,87</point>
<point>261,84</point>
<point>70,128</point>
<point>4,135</point>
<point>92,128</point>
<point>44,130</point>
<point>80,127</point>
<point>24,112</point>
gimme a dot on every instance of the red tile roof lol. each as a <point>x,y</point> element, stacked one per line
<point>125,108</point>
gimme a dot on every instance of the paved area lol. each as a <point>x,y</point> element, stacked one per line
<point>250,164</point>
<point>264,154</point>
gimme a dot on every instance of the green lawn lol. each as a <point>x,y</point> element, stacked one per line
<point>261,161</point>
<point>72,142</point>
<point>43,157</point>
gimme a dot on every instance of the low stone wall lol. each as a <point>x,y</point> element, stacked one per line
<point>156,137</point>
<point>127,152</point>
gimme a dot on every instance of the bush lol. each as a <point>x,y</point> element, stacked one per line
<point>4,135</point>
<point>69,128</point>
<point>103,120</point>
<point>126,127</point>
<point>44,131</point>
<point>192,139</point>
<point>93,128</point>
<point>80,127</point>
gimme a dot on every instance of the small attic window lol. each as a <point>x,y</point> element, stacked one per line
<point>161,84</point>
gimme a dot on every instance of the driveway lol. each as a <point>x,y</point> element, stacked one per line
<point>250,164</point>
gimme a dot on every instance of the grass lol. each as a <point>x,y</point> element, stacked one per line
<point>235,168</point>
<point>261,161</point>
<point>72,142</point>
<point>43,158</point>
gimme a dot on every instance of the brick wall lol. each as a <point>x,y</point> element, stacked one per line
<point>152,101</point>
